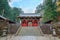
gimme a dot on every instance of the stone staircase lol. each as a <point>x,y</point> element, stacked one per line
<point>29,31</point>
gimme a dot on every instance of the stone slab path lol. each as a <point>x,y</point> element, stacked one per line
<point>29,33</point>
<point>29,38</point>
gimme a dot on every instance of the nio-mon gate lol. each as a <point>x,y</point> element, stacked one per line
<point>30,19</point>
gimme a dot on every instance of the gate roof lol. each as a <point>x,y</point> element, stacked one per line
<point>30,15</point>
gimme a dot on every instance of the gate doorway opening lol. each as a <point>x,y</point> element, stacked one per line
<point>29,24</point>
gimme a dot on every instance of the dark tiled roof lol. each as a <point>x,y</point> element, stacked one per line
<point>48,21</point>
<point>30,15</point>
<point>3,18</point>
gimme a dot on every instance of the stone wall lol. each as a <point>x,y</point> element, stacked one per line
<point>46,28</point>
<point>13,28</point>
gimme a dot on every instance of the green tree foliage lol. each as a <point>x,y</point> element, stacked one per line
<point>10,13</point>
<point>39,8</point>
<point>15,13</point>
<point>49,8</point>
<point>4,6</point>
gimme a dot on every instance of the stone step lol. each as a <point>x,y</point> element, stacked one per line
<point>29,38</point>
<point>29,31</point>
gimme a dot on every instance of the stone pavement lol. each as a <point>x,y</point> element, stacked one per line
<point>29,38</point>
<point>29,33</point>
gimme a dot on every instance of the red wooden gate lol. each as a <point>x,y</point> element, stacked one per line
<point>35,23</point>
<point>24,23</point>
